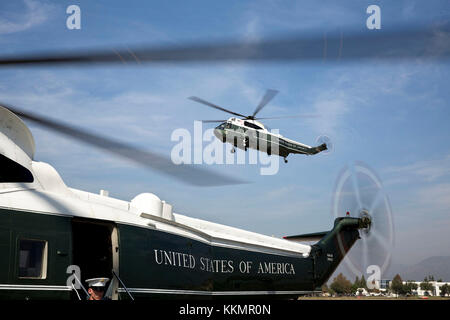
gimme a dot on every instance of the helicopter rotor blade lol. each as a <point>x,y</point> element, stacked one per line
<point>430,42</point>
<point>212,121</point>
<point>196,99</point>
<point>270,94</point>
<point>293,116</point>
<point>162,164</point>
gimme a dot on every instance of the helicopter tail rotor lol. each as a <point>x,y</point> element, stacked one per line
<point>318,149</point>
<point>359,194</point>
<point>325,140</point>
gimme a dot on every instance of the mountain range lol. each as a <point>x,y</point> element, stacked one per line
<point>438,267</point>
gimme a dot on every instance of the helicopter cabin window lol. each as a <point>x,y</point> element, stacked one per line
<point>251,125</point>
<point>32,259</point>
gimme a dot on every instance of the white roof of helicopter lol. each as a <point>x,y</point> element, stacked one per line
<point>264,128</point>
<point>241,122</point>
<point>48,194</point>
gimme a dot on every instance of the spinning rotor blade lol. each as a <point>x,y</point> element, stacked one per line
<point>402,43</point>
<point>196,99</point>
<point>185,173</point>
<point>294,116</point>
<point>323,139</point>
<point>211,121</point>
<point>270,93</point>
<point>359,192</point>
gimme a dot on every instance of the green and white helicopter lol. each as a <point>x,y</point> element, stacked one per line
<point>247,132</point>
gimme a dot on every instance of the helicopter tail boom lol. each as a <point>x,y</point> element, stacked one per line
<point>332,248</point>
<point>315,150</point>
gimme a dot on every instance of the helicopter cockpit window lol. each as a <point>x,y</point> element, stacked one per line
<point>251,125</point>
<point>32,259</point>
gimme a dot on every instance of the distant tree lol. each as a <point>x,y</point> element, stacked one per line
<point>397,285</point>
<point>426,286</point>
<point>341,285</point>
<point>409,287</point>
<point>363,282</point>
<point>445,290</point>
<point>355,284</point>
<point>359,283</point>
<point>326,289</point>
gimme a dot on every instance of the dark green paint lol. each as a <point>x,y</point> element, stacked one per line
<point>138,267</point>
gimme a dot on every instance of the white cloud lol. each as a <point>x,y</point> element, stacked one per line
<point>331,106</point>
<point>34,14</point>
<point>280,192</point>
<point>435,196</point>
<point>421,171</point>
<point>305,15</point>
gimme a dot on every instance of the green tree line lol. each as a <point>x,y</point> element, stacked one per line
<point>342,286</point>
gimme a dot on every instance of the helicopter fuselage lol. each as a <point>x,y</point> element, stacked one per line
<point>252,134</point>
<point>49,239</point>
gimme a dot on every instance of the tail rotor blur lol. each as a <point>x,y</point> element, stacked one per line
<point>360,193</point>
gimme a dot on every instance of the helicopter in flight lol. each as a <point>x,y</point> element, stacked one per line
<point>248,132</point>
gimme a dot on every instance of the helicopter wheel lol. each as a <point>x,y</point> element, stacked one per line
<point>285,160</point>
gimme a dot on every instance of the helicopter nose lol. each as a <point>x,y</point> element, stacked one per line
<point>218,133</point>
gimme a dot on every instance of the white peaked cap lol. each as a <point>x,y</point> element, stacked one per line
<point>97,282</point>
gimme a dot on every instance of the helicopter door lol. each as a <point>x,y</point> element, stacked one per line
<point>95,250</point>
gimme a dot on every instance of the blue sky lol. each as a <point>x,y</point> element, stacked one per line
<point>391,116</point>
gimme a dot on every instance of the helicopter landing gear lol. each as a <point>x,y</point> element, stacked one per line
<point>285,160</point>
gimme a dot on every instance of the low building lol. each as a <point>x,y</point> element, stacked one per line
<point>435,291</point>
<point>385,284</point>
